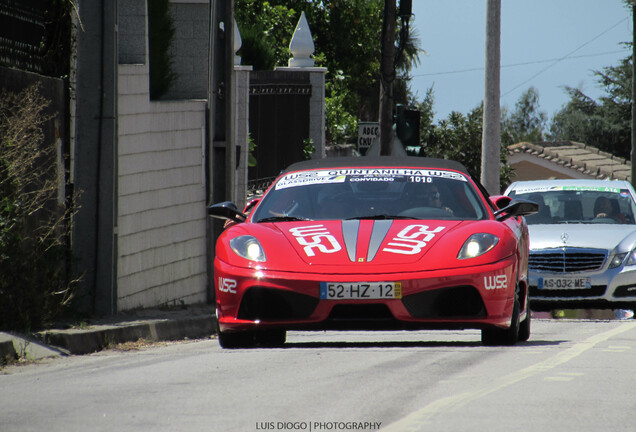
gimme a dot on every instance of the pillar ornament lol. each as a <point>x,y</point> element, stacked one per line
<point>301,45</point>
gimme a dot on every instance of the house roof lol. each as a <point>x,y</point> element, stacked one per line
<point>569,155</point>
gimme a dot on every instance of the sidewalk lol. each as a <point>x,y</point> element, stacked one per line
<point>192,322</point>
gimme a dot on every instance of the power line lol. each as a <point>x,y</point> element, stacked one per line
<point>477,69</point>
<point>564,57</point>
<point>552,62</point>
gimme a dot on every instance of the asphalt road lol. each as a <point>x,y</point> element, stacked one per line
<point>571,376</point>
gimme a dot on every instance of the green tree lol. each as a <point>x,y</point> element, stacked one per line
<point>526,122</point>
<point>606,123</point>
<point>408,57</point>
<point>340,124</point>
<point>347,38</point>
<point>266,29</point>
<point>352,60</point>
<point>458,137</point>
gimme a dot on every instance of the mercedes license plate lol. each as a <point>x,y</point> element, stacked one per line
<point>360,290</point>
<point>564,283</point>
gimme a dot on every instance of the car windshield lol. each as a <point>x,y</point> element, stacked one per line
<point>369,193</point>
<point>574,204</point>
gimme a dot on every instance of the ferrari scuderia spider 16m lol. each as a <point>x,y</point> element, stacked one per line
<point>372,243</point>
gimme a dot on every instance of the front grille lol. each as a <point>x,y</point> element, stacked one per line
<point>360,312</point>
<point>566,260</point>
<point>268,304</point>
<point>451,302</point>
<point>594,291</point>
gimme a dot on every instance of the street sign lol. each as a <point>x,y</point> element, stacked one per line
<point>368,134</point>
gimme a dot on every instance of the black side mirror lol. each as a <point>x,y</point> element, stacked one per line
<point>227,210</point>
<point>517,208</point>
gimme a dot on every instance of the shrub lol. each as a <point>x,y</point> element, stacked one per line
<point>34,249</point>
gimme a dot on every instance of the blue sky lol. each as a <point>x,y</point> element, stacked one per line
<point>546,44</point>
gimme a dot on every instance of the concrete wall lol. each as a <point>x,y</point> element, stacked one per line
<point>161,257</point>
<point>161,203</point>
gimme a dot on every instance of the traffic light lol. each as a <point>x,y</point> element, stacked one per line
<point>407,128</point>
<point>405,9</point>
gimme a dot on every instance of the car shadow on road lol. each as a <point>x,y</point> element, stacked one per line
<point>412,344</point>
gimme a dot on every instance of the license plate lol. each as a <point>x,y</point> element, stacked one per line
<point>564,283</point>
<point>360,290</point>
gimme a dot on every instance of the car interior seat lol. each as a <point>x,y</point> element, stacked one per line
<point>616,211</point>
<point>544,215</point>
<point>572,210</point>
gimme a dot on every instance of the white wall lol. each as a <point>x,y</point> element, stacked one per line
<point>161,256</point>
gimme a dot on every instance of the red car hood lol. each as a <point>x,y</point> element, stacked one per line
<point>372,242</point>
<point>366,246</point>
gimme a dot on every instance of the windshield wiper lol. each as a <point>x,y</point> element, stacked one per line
<point>282,219</point>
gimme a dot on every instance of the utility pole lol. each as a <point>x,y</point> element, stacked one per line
<point>387,75</point>
<point>491,135</point>
<point>633,153</point>
<point>220,153</point>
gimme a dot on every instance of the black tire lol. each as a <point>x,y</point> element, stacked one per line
<point>241,339</point>
<point>524,326</point>
<point>232,340</point>
<point>509,336</point>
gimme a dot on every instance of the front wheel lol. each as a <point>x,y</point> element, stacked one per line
<point>524,326</point>
<point>509,336</point>
<point>231,340</point>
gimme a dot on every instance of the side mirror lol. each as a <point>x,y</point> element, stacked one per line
<point>516,208</point>
<point>227,210</point>
<point>500,201</point>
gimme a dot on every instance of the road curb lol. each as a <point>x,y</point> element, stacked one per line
<point>7,352</point>
<point>85,341</point>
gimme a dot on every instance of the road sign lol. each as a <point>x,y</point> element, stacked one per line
<point>368,134</point>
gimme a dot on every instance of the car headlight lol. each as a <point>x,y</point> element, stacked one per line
<point>617,260</point>
<point>248,247</point>
<point>477,244</point>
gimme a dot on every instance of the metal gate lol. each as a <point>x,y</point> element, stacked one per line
<point>278,120</point>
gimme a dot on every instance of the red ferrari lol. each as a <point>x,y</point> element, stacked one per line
<point>372,243</point>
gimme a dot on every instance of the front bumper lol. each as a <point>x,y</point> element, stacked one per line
<point>249,299</point>
<point>610,289</point>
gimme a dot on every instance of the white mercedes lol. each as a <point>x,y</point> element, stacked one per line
<point>582,243</point>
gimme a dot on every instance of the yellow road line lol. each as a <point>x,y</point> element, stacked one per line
<point>416,420</point>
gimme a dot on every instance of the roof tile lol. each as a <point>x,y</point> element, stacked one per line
<point>577,156</point>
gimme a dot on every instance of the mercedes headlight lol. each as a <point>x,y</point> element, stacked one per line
<point>631,259</point>
<point>618,259</point>
<point>477,244</point>
<point>248,247</point>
